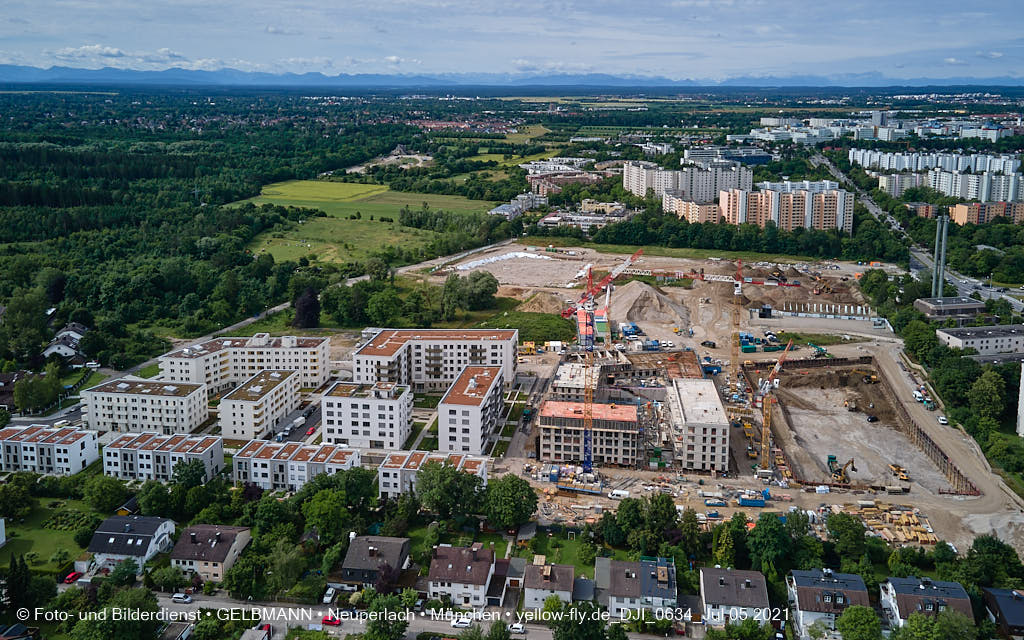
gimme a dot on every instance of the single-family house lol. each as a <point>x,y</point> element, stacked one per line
<point>649,584</point>
<point>139,538</point>
<point>543,580</point>
<point>209,550</point>
<point>461,573</point>
<point>901,597</point>
<point>368,555</point>
<point>1005,607</point>
<point>731,595</point>
<point>822,595</point>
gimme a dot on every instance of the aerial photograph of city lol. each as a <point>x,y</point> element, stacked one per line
<point>479,320</point>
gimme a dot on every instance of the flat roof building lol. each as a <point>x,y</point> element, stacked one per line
<point>616,434</point>
<point>153,456</point>
<point>959,307</point>
<point>1007,338</point>
<point>55,451</point>
<point>259,405</point>
<point>398,472</point>
<point>700,426</point>
<point>471,410</point>
<point>377,416</point>
<point>276,466</point>
<point>138,405</point>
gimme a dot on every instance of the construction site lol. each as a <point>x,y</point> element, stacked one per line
<point>679,383</point>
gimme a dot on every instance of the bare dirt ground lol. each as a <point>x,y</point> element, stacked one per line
<point>410,160</point>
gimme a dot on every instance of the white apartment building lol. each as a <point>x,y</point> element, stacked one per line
<point>397,474</point>
<point>431,359</point>
<point>895,184</point>
<point>461,573</point>
<point>225,362</point>
<point>698,184</point>
<point>470,411</point>
<point>377,416</point>
<point>986,186</point>
<point>1020,404</point>
<point>888,161</point>
<point>689,210</point>
<point>153,456</point>
<point>53,451</point>
<point>1004,338</point>
<point>258,406</point>
<point>790,186</point>
<point>137,405</point>
<point>700,426</point>
<point>274,466</point>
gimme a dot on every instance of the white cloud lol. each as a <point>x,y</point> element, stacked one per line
<point>88,51</point>
<point>281,31</point>
<point>991,55</point>
<point>954,61</point>
<point>397,60</point>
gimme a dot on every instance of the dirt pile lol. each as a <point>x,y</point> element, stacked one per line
<point>542,302</point>
<point>637,301</point>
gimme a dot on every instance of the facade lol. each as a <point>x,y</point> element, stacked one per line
<point>982,212</point>
<point>789,210</point>
<point>1005,607</point>
<point>1005,338</point>
<point>627,587</point>
<point>585,222</point>
<point>888,161</point>
<point>569,381</point>
<point>377,416</point>
<point>367,555</point>
<point>431,359</point>
<point>689,210</point>
<point>53,451</point>
<point>470,411</point>
<point>225,362</point>
<point>696,183</point>
<point>1020,404</point>
<point>958,307</point>
<point>732,596</point>
<point>209,550</point>
<point>923,209</point>
<point>895,184</point>
<point>700,426</point>
<point>822,595</point>
<point>746,155</point>
<point>519,205</point>
<point>545,184</point>
<point>901,597</point>
<point>287,467</point>
<point>985,186</point>
<point>543,580</point>
<point>152,456</point>
<point>259,405</point>
<point>461,573</point>
<point>789,186</point>
<point>139,538</point>
<point>616,434</point>
<point>397,473</point>
<point>133,404</point>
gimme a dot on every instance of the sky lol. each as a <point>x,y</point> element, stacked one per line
<point>675,39</point>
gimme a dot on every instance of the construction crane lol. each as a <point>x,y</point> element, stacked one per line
<point>766,407</point>
<point>588,392</point>
<point>737,291</point>
<point>593,290</point>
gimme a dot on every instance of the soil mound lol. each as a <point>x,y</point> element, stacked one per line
<point>542,302</point>
<point>637,301</point>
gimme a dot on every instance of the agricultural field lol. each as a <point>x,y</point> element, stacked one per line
<point>336,238</point>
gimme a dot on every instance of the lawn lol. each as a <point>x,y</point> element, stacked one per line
<point>149,371</point>
<point>535,327</point>
<point>428,443</point>
<point>500,449</point>
<point>820,339</point>
<point>336,238</point>
<point>568,552</point>
<point>417,427</point>
<point>280,324</point>
<point>667,252</point>
<point>417,538</point>
<point>508,431</point>
<point>425,402</point>
<point>32,536</point>
<point>527,133</point>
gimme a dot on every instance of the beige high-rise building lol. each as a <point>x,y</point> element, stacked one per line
<point>789,210</point>
<point>689,210</point>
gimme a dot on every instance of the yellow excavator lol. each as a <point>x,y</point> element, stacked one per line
<point>840,475</point>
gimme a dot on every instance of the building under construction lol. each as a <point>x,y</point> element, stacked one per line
<point>617,434</point>
<point>698,427</point>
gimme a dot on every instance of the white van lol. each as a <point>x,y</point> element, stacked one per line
<point>618,494</point>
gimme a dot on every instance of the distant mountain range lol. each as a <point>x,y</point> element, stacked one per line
<point>15,74</point>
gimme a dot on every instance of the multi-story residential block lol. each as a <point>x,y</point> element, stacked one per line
<point>137,404</point>
<point>398,472</point>
<point>470,411</point>
<point>585,222</point>
<point>982,212</point>
<point>709,154</point>
<point>153,456</point>
<point>700,426</point>
<point>789,210</point>
<point>696,183</point>
<point>209,550</point>
<point>896,184</point>
<point>367,555</point>
<point>821,596</point>
<point>901,597</point>
<point>1004,338</point>
<point>1006,163</point>
<point>732,596</point>
<point>627,587</point>
<point>570,380</point>
<point>431,359</point>
<point>377,416</point>
<point>923,209</point>
<point>985,186</point>
<point>273,466</point>
<point>689,210</point>
<point>546,184</point>
<point>616,434</point>
<point>224,362</point>
<point>53,451</point>
<point>543,580</point>
<point>519,205</point>
<point>789,186</point>
<point>259,405</point>
<point>462,574</point>
<point>990,132</point>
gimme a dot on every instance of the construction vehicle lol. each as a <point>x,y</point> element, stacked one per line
<point>851,405</point>
<point>528,348</point>
<point>899,472</point>
<point>778,275</point>
<point>819,352</point>
<point>751,452</point>
<point>840,475</point>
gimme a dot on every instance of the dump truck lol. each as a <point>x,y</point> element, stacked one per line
<point>746,501</point>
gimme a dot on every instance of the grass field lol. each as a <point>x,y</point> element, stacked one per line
<point>667,252</point>
<point>820,339</point>
<point>150,371</point>
<point>32,536</point>
<point>514,160</point>
<point>338,239</point>
<point>527,133</point>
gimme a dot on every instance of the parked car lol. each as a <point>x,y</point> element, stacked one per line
<point>330,621</point>
<point>872,418</point>
<point>942,420</point>
<point>310,431</point>
<point>461,623</point>
<point>329,595</point>
<point>72,577</point>
<point>708,343</point>
<point>181,598</point>
<point>517,627</point>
